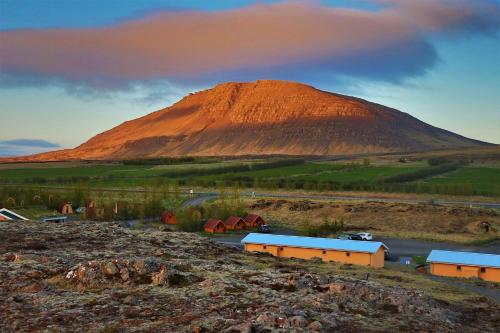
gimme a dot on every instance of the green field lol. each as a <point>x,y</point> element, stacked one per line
<point>310,175</point>
<point>104,174</point>
<point>368,174</point>
<point>76,171</point>
<point>483,180</point>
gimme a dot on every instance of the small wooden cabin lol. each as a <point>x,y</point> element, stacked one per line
<point>65,208</point>
<point>465,264</point>
<point>328,249</point>
<point>90,209</point>
<point>168,218</point>
<point>254,220</point>
<point>214,226</point>
<point>235,223</point>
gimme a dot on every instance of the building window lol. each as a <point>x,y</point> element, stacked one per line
<point>324,252</point>
<point>483,270</point>
<point>281,249</point>
<point>348,254</point>
<point>459,268</point>
<point>265,247</point>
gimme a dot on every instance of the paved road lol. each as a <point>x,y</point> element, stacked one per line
<point>413,247</point>
<point>198,200</point>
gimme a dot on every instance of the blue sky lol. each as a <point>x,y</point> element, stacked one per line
<point>437,60</point>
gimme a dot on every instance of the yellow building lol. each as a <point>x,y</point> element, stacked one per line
<point>328,249</point>
<point>465,265</point>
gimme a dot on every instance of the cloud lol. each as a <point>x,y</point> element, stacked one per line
<point>283,40</point>
<point>21,147</point>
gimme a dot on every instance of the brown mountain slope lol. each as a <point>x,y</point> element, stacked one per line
<point>265,117</point>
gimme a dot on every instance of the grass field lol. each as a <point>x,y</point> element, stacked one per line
<point>469,180</point>
<point>367,174</point>
<point>307,169</point>
<point>130,174</point>
<point>481,179</point>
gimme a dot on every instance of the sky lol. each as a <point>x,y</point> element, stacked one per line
<point>72,69</point>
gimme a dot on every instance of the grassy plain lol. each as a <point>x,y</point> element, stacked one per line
<point>480,176</point>
<point>484,179</point>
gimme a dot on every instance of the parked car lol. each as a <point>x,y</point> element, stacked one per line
<point>365,236</point>
<point>356,237</point>
<point>350,237</point>
<point>264,228</point>
<point>344,236</point>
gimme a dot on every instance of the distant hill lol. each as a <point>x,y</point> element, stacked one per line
<point>264,117</point>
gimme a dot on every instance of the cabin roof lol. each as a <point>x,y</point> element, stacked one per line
<point>232,220</point>
<point>167,215</point>
<point>313,242</point>
<point>212,223</point>
<point>464,258</point>
<point>251,217</point>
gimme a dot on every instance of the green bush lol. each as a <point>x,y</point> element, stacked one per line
<point>422,173</point>
<point>326,228</point>
<point>189,219</point>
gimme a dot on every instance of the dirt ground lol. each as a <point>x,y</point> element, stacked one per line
<point>418,221</point>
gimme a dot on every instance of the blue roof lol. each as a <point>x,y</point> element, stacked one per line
<point>464,258</point>
<point>313,242</point>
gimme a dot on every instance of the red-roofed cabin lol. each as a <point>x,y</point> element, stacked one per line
<point>254,220</point>
<point>65,208</point>
<point>235,223</point>
<point>168,218</point>
<point>214,225</point>
<point>90,209</point>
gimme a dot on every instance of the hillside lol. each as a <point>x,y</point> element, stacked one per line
<point>265,117</point>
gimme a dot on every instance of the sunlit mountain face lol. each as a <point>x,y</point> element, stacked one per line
<point>70,70</point>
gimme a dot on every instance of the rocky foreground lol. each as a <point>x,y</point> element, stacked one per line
<point>99,277</point>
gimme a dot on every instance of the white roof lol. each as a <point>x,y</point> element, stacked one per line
<point>11,216</point>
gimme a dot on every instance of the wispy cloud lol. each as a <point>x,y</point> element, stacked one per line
<point>280,40</point>
<point>18,147</point>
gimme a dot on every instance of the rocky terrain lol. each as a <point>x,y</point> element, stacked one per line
<point>99,277</point>
<point>261,118</point>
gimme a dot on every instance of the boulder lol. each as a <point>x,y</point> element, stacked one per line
<point>297,322</point>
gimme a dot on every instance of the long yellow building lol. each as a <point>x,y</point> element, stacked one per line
<point>328,249</point>
<point>465,265</point>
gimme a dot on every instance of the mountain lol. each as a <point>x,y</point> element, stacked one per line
<point>265,117</point>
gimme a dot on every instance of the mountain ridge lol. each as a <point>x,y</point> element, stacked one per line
<point>265,117</point>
